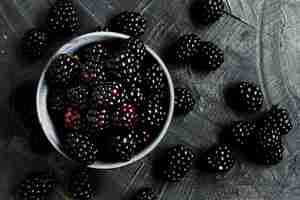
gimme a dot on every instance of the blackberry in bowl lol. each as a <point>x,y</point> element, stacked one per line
<point>109,113</point>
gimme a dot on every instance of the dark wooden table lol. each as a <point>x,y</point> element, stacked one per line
<point>262,45</point>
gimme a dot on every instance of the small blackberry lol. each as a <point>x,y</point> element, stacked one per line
<point>35,42</point>
<point>136,46</point>
<point>98,120</point>
<point>72,118</point>
<point>143,137</point>
<point>145,194</point>
<point>81,148</point>
<point>177,164</point>
<point>63,18</point>
<point>184,101</point>
<point>95,51</point>
<point>125,116</point>
<point>129,23</point>
<point>36,186</point>
<point>136,96</point>
<point>63,71</point>
<point>272,156</point>
<point>153,115</point>
<point>218,159</point>
<point>92,73</point>
<point>186,48</point>
<point>209,57</point>
<point>78,96</point>
<point>56,103</point>
<point>241,133</point>
<point>153,78</point>
<point>81,186</point>
<point>266,138</point>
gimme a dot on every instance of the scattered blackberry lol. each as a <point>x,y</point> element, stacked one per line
<point>266,138</point>
<point>186,47</point>
<point>36,186</point>
<point>209,57</point>
<point>279,119</point>
<point>95,51</point>
<point>145,194</point>
<point>81,148</point>
<point>135,96</point>
<point>153,115</point>
<point>125,116</point>
<point>129,23</point>
<point>35,42</point>
<point>218,159</point>
<point>178,163</point>
<point>108,94</point>
<point>92,73</point>
<point>63,18</point>
<point>184,101</point>
<point>272,156</point>
<point>63,71</point>
<point>81,186</point>
<point>78,96</point>
<point>72,118</point>
<point>56,103</point>
<point>98,119</point>
<point>241,133</point>
<point>245,97</point>
<point>142,137</point>
<point>137,46</point>
<point>153,78</point>
<point>208,12</point>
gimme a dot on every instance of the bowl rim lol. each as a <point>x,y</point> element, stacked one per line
<point>42,91</point>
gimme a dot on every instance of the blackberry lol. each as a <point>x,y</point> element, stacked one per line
<point>63,18</point>
<point>136,96</point>
<point>153,115</point>
<point>98,120</point>
<point>241,133</point>
<point>92,73</point>
<point>72,118</point>
<point>208,12</point>
<point>63,71</point>
<point>78,96</point>
<point>218,159</point>
<point>184,101</point>
<point>80,147</point>
<point>272,156</point>
<point>145,194</point>
<point>245,97</point>
<point>125,116</point>
<point>136,46</point>
<point>209,57</point>
<point>266,138</point>
<point>37,186</point>
<point>56,103</point>
<point>143,137</point>
<point>153,78</point>
<point>129,23</point>
<point>279,119</point>
<point>81,186</point>
<point>35,42</point>
<point>95,51</point>
<point>186,48</point>
<point>108,94</point>
<point>177,164</point>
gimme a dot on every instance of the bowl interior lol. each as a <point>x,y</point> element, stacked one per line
<point>44,117</point>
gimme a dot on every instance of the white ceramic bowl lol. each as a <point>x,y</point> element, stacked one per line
<point>42,91</point>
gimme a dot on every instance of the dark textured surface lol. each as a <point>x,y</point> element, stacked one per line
<point>262,45</point>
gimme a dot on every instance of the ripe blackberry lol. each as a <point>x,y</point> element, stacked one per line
<point>272,156</point>
<point>63,71</point>
<point>81,186</point>
<point>80,147</point>
<point>72,118</point>
<point>136,96</point>
<point>36,186</point>
<point>125,116</point>
<point>95,51</point>
<point>208,12</point>
<point>209,57</point>
<point>143,138</point>
<point>145,194</point>
<point>108,94</point>
<point>177,164</point>
<point>218,159</point>
<point>136,46</point>
<point>56,103</point>
<point>186,48</point>
<point>184,101</point>
<point>241,133</point>
<point>129,23</point>
<point>266,138</point>
<point>153,115</point>
<point>245,97</point>
<point>92,73</point>
<point>78,96</point>
<point>98,119</point>
<point>35,42</point>
<point>279,119</point>
<point>153,78</point>
<point>63,18</point>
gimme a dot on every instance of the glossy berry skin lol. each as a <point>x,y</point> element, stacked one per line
<point>245,97</point>
<point>177,163</point>
<point>145,194</point>
<point>186,48</point>
<point>279,119</point>
<point>184,101</point>
<point>153,115</point>
<point>218,159</point>
<point>36,186</point>
<point>98,120</point>
<point>80,147</point>
<point>137,47</point>
<point>34,43</point>
<point>240,133</point>
<point>78,96</point>
<point>153,79</point>
<point>95,51</point>
<point>272,156</point>
<point>125,116</point>
<point>129,23</point>
<point>62,71</point>
<point>92,73</point>
<point>63,18</point>
<point>72,118</point>
<point>80,185</point>
<point>209,57</point>
<point>135,96</point>
<point>143,137</point>
<point>208,12</point>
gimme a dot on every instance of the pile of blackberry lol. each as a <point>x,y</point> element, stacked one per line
<point>109,102</point>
